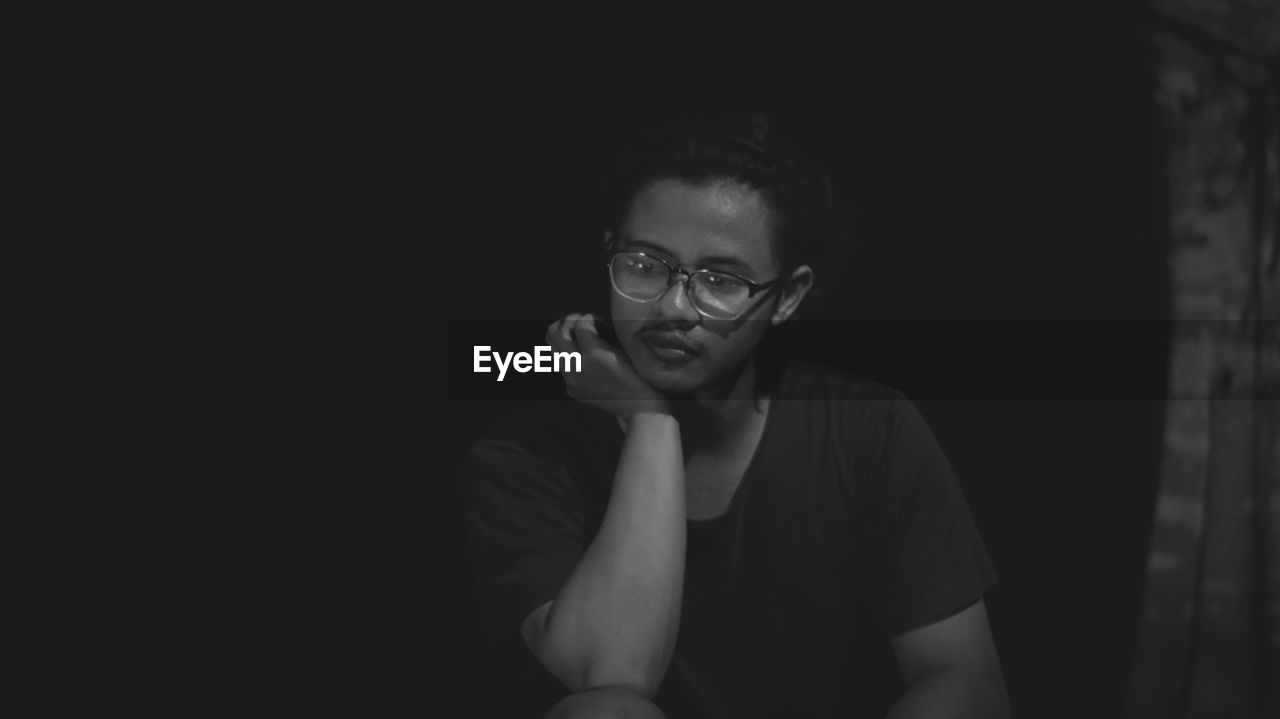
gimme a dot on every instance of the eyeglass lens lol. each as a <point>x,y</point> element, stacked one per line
<point>645,279</point>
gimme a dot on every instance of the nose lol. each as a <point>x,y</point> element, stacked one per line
<point>675,304</point>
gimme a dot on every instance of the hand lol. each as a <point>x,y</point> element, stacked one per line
<point>608,380</point>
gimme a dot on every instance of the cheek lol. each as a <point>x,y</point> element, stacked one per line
<point>622,307</point>
<point>626,315</point>
<point>742,342</point>
<point>734,341</point>
<point>627,318</point>
<point>748,330</point>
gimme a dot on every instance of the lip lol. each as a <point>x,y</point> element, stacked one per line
<point>670,347</point>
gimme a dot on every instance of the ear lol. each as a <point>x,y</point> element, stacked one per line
<point>797,286</point>
<point>608,237</point>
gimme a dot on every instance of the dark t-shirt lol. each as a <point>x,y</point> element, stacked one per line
<point>847,528</point>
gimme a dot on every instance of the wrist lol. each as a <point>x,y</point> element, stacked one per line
<point>654,406</point>
<point>656,417</point>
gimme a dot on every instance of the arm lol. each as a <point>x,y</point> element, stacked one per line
<point>614,622</point>
<point>934,564</point>
<point>951,669</point>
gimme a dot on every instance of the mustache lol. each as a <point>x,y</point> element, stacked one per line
<point>665,335</point>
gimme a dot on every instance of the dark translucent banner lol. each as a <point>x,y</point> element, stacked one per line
<point>977,359</point>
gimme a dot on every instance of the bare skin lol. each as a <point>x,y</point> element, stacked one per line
<point>605,704</point>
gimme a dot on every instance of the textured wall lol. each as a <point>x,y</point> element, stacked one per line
<point>1210,628</point>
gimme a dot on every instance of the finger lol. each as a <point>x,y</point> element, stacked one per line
<point>554,333</point>
<point>579,322</point>
<point>570,329</point>
<point>585,324</point>
<point>587,338</point>
<point>562,329</point>
<point>561,337</point>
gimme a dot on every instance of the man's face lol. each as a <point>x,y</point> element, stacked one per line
<point>719,226</point>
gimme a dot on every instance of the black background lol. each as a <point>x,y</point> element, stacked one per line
<point>1003,166</point>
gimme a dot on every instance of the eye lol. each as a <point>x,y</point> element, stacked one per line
<point>723,283</point>
<point>638,264</point>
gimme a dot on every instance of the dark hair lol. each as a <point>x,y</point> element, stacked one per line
<point>745,148</point>
<point>757,151</point>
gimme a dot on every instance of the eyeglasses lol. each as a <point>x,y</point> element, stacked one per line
<point>719,295</point>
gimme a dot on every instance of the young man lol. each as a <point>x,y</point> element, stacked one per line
<point>696,535</point>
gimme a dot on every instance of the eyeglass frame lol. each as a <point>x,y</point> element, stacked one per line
<point>753,288</point>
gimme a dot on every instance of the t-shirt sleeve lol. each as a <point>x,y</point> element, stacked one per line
<point>524,522</point>
<point>934,562</point>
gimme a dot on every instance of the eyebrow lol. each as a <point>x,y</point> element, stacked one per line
<point>711,262</point>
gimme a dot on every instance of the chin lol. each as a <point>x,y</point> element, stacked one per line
<point>675,385</point>
<point>669,380</point>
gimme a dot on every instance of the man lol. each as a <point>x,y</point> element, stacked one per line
<point>697,535</point>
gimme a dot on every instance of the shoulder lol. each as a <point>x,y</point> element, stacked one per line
<point>556,438</point>
<point>812,380</point>
<point>549,425</point>
<point>850,405</point>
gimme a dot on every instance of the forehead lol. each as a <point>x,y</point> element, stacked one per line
<point>695,222</point>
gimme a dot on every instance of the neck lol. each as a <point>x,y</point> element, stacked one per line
<point>716,412</point>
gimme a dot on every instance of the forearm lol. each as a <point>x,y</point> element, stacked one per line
<point>615,620</point>
<point>953,695</point>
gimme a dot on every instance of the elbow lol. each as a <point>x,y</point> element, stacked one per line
<point>581,673</point>
<point>636,681</point>
<point>597,663</point>
<point>638,673</point>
